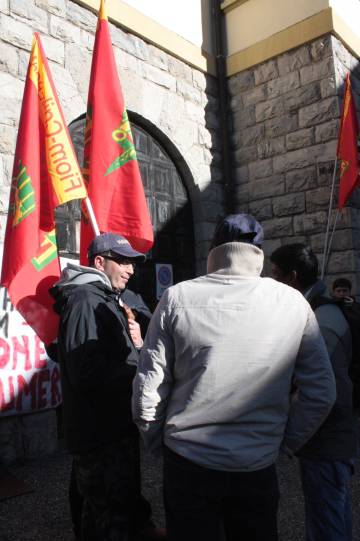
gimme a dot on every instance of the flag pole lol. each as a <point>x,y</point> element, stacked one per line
<point>327,255</point>
<point>93,221</point>
<point>328,221</point>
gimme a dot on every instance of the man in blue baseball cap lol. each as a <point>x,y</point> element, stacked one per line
<point>98,349</point>
<point>213,389</point>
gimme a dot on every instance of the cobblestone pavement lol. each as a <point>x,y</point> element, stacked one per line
<point>43,514</point>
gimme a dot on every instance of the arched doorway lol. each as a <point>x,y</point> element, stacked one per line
<point>169,205</point>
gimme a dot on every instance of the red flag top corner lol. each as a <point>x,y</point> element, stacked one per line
<point>111,168</point>
<point>45,174</point>
<point>347,150</point>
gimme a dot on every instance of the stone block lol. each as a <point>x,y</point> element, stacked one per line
<point>308,224</point>
<point>57,7</point>
<point>55,50</point>
<point>300,179</point>
<point>64,30</point>
<point>4,197</point>
<point>244,118</point>
<point>17,33</point>
<point>260,169</point>
<point>294,60</point>
<point>241,174</point>
<point>288,205</point>
<point>9,59</point>
<point>317,199</point>
<point>241,82</point>
<point>342,240</point>
<point>26,10</point>
<point>210,103</point>
<point>341,53</point>
<point>304,95</point>
<point>269,246</point>
<point>261,210</point>
<point>269,109</point>
<point>325,172</point>
<point>205,138</point>
<point>84,18</point>
<point>300,139</point>
<point>265,72</point>
<point>252,135</point>
<point>317,71</point>
<point>294,239</point>
<point>281,85</point>
<point>255,95</point>
<point>328,87</point>
<point>7,139</point>
<point>271,147</point>
<point>245,155</point>
<point>162,78</point>
<point>281,125</point>
<point>321,48</point>
<point>341,262</point>
<point>180,70</point>
<point>74,57</point>
<point>4,6</point>
<point>319,112</point>
<point>267,187</point>
<point>130,43</point>
<point>186,90</point>
<point>277,228</point>
<point>327,131</point>
<point>298,159</point>
<point>199,78</point>
<point>72,102</point>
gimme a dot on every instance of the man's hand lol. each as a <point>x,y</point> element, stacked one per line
<point>135,333</point>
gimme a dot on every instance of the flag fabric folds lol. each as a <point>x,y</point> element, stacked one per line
<point>111,169</point>
<point>347,151</point>
<point>45,174</point>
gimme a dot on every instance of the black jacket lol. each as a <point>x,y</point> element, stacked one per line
<point>336,439</point>
<point>98,362</point>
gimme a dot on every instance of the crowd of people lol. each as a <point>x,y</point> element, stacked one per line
<point>231,369</point>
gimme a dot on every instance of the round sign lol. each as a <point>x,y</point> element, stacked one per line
<point>164,276</point>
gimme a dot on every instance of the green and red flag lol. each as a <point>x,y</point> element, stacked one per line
<point>347,150</point>
<point>45,174</point>
<point>111,169</point>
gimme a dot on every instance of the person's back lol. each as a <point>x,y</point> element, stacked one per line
<point>214,386</point>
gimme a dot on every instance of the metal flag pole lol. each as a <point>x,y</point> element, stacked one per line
<point>92,217</point>
<point>328,221</point>
<point>327,255</point>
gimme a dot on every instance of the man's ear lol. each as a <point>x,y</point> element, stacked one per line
<point>99,262</point>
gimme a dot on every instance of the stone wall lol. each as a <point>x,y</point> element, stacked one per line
<point>285,118</point>
<point>180,100</point>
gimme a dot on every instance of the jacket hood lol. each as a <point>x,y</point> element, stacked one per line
<point>73,276</point>
<point>238,258</point>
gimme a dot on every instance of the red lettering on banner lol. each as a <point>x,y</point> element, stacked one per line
<point>4,353</point>
<point>25,388</point>
<point>55,387</point>
<point>11,404</point>
<point>39,352</point>
<point>44,375</point>
<point>21,349</point>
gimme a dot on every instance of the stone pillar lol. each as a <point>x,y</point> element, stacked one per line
<point>285,119</point>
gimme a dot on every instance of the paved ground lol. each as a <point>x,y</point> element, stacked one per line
<point>43,514</point>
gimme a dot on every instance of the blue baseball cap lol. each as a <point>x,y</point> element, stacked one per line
<point>117,244</point>
<point>238,227</point>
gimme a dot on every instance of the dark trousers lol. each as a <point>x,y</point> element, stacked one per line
<point>327,495</point>
<point>105,489</point>
<point>201,504</point>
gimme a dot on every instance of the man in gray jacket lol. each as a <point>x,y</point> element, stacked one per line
<point>213,387</point>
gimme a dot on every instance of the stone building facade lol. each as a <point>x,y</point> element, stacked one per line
<point>282,120</point>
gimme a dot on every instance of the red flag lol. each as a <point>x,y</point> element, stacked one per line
<point>45,174</point>
<point>347,150</point>
<point>110,165</point>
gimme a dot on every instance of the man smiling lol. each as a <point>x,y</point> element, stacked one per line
<point>98,352</point>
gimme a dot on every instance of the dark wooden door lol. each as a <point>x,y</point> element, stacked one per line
<point>169,207</point>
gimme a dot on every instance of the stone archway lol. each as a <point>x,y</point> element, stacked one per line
<point>169,205</point>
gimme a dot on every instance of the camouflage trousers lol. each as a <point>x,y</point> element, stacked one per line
<point>108,480</point>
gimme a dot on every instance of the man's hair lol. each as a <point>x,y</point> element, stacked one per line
<point>299,258</point>
<point>342,282</point>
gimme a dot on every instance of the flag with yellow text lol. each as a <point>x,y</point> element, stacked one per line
<point>110,165</point>
<point>45,174</point>
<point>347,151</point>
